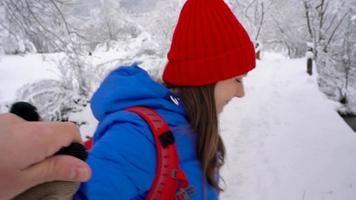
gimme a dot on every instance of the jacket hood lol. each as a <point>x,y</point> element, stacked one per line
<point>130,86</point>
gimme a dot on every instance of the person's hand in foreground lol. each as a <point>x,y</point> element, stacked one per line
<point>26,154</point>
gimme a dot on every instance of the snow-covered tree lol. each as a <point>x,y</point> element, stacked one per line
<point>273,24</point>
<point>3,32</point>
<point>286,27</point>
<point>131,36</point>
<point>160,23</point>
<point>39,24</point>
<point>348,54</point>
<point>331,28</point>
<point>252,14</point>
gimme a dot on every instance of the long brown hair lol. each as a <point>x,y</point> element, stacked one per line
<point>201,109</point>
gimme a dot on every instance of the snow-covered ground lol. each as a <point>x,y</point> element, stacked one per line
<point>284,139</point>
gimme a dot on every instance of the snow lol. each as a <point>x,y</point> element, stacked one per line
<point>284,139</point>
<point>89,123</point>
<point>272,56</point>
<point>309,54</point>
<point>15,71</point>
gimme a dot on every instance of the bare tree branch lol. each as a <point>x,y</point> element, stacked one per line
<point>334,31</point>
<point>308,18</point>
<point>261,21</point>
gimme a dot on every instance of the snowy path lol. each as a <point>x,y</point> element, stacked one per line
<point>285,141</point>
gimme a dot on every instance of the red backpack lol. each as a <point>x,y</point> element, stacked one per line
<point>170,182</point>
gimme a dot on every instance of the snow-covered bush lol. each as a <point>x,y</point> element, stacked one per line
<point>53,100</point>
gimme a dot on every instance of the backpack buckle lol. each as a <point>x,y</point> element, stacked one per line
<point>166,139</point>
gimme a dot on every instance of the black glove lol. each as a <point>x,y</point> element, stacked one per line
<point>75,149</point>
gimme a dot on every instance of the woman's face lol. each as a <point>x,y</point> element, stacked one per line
<point>227,89</point>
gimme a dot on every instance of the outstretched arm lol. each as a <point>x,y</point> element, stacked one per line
<point>26,154</point>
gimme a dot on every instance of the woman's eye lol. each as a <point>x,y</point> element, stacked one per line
<point>238,80</point>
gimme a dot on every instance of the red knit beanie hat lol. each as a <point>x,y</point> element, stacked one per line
<point>209,45</point>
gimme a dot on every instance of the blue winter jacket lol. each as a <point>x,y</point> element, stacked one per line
<point>123,159</point>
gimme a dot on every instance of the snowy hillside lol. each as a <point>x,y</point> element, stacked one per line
<point>284,139</point>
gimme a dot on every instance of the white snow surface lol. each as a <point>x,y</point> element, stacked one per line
<point>284,139</point>
<point>16,71</point>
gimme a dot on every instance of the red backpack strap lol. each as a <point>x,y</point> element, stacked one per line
<point>170,181</point>
<point>89,143</point>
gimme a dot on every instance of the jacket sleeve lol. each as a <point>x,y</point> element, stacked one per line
<point>123,162</point>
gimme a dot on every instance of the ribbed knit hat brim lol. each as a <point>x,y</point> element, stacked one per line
<point>209,45</point>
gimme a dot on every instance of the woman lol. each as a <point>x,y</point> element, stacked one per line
<point>209,56</point>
